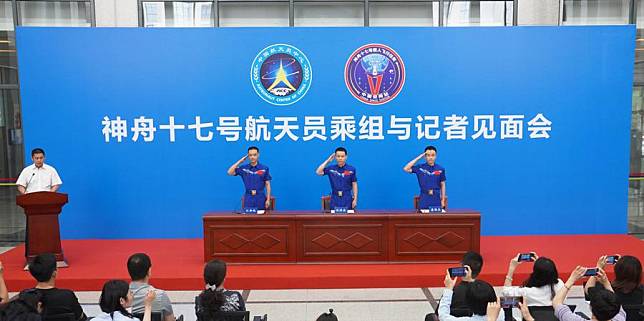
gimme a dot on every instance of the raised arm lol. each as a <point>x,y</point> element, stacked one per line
<point>561,295</point>
<point>514,263</point>
<point>4,293</point>
<point>231,170</point>
<point>411,163</point>
<point>147,312</point>
<point>601,263</point>
<point>320,169</point>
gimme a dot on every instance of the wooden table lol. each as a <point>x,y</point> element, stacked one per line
<point>366,236</point>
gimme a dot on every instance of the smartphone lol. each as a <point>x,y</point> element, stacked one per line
<point>526,257</point>
<point>612,259</point>
<point>511,301</point>
<point>591,272</point>
<point>457,271</point>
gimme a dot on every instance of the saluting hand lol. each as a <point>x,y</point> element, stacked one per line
<point>330,157</point>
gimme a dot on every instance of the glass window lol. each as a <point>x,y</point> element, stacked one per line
<point>478,13</point>
<point>6,15</point>
<point>55,13</point>
<point>178,14</point>
<point>258,14</point>
<point>595,12</point>
<point>403,14</point>
<point>337,14</point>
<point>636,179</point>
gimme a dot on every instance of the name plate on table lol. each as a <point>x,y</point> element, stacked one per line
<point>342,210</point>
<point>432,209</point>
<point>252,210</point>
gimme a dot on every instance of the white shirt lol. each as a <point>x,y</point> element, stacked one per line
<point>541,296</point>
<point>36,179</point>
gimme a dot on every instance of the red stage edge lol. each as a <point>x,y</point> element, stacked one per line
<point>177,264</point>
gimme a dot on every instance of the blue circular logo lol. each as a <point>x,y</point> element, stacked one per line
<point>374,74</point>
<point>281,74</point>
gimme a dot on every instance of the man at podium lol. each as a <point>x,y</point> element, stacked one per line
<point>343,179</point>
<point>431,180</point>
<point>38,177</point>
<point>256,178</point>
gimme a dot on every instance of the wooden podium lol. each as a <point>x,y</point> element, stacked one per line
<point>43,231</point>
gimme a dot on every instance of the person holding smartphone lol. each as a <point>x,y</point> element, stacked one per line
<point>480,294</point>
<point>627,284</point>
<point>603,302</point>
<point>431,180</point>
<point>542,284</point>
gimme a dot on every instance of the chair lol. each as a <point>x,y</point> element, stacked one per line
<point>417,202</point>
<point>156,316</point>
<point>260,318</point>
<point>326,203</point>
<point>231,316</point>
<point>59,317</point>
<point>545,313</point>
<point>634,312</point>
<point>270,208</point>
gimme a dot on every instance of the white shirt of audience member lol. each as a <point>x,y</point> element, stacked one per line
<point>541,296</point>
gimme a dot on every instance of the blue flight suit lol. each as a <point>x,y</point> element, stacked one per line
<point>429,181</point>
<point>341,179</point>
<point>254,178</point>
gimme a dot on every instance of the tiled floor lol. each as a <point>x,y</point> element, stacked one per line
<point>307,305</point>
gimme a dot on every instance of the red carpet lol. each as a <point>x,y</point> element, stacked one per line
<point>177,264</point>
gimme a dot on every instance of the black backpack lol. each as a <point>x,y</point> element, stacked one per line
<point>327,316</point>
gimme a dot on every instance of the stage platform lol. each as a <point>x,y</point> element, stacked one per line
<point>177,264</point>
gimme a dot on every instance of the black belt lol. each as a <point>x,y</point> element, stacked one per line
<point>341,193</point>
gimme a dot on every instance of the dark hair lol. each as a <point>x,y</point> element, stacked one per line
<point>37,151</point>
<point>253,147</point>
<point>341,149</point>
<point>138,266</point>
<point>603,303</point>
<point>544,272</point>
<point>430,148</point>
<point>479,294</point>
<point>113,292</point>
<point>474,261</point>
<point>628,274</point>
<point>214,273</point>
<point>23,307</point>
<point>42,267</point>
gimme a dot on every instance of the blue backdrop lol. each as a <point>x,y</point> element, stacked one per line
<point>77,83</point>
